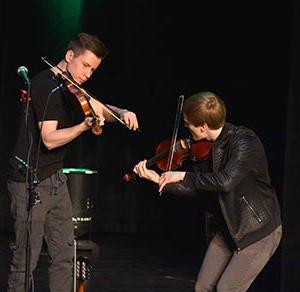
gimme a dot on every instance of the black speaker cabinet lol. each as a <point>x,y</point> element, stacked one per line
<point>82,189</point>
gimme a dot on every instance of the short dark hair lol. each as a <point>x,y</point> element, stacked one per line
<point>84,41</point>
<point>205,107</point>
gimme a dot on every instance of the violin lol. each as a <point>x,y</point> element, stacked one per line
<point>184,149</point>
<point>85,106</point>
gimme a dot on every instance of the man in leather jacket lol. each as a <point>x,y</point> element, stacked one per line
<point>243,209</point>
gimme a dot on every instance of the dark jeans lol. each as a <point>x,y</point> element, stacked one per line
<point>52,222</point>
<point>225,270</point>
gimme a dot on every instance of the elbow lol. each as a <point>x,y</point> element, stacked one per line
<point>228,181</point>
<point>226,188</point>
<point>48,145</point>
<point>227,185</point>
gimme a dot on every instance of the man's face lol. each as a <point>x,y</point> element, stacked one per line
<point>82,67</point>
<point>198,133</point>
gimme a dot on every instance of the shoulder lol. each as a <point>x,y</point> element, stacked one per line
<point>44,81</point>
<point>45,74</point>
<point>240,132</point>
<point>245,138</point>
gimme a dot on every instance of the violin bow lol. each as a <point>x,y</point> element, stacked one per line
<point>85,92</point>
<point>175,132</point>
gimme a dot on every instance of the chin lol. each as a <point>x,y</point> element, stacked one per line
<point>197,139</point>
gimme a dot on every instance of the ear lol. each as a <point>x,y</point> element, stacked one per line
<point>204,128</point>
<point>69,56</point>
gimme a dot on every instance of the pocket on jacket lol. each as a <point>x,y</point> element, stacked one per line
<point>251,209</point>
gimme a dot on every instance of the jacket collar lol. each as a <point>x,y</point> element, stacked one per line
<point>224,135</point>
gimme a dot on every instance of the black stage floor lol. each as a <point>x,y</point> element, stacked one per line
<point>136,263</point>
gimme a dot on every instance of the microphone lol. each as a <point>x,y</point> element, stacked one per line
<point>23,73</point>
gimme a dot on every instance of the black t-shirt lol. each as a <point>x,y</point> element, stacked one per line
<point>43,106</point>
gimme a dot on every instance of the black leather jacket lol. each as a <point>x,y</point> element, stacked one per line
<point>241,178</point>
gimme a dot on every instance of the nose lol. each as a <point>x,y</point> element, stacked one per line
<point>87,74</point>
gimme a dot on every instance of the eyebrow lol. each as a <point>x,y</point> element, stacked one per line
<point>87,64</point>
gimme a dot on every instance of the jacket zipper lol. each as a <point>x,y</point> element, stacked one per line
<point>251,208</point>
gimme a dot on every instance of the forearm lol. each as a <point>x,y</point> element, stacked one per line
<point>110,118</point>
<point>104,110</point>
<point>59,137</point>
<point>154,177</point>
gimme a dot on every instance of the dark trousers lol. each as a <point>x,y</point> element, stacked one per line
<point>224,270</point>
<point>52,222</point>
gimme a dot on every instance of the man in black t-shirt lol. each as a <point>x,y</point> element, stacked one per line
<point>37,160</point>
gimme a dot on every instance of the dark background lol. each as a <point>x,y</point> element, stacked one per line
<point>247,52</point>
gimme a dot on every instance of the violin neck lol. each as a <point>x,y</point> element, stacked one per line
<point>156,158</point>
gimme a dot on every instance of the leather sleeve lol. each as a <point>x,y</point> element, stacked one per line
<point>243,156</point>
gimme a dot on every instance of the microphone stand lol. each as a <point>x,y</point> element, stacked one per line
<point>33,199</point>
<point>33,196</point>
